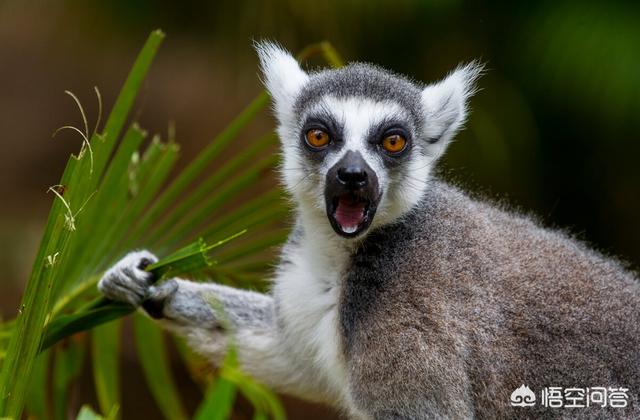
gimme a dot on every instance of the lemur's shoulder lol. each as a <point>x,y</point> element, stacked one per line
<point>460,290</point>
<point>457,250</point>
<point>453,224</point>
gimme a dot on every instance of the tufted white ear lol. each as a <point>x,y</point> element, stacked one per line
<point>445,103</point>
<point>282,77</point>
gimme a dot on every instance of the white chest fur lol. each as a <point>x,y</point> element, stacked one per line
<point>307,292</point>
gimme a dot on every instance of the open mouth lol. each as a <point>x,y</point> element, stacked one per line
<point>350,214</point>
<point>352,194</point>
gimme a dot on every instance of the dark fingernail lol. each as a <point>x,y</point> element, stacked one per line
<point>144,263</point>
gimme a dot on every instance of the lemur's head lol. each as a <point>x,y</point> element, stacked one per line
<point>359,142</point>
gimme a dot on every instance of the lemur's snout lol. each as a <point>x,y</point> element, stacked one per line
<point>352,173</point>
<point>352,194</point>
<point>352,176</point>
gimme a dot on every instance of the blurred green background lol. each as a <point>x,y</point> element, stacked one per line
<point>554,130</point>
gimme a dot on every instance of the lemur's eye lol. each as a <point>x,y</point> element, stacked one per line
<point>317,138</point>
<point>394,143</point>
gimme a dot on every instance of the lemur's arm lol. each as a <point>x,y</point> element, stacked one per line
<point>188,309</point>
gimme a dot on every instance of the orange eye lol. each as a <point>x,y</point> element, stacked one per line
<point>394,143</point>
<point>317,138</point>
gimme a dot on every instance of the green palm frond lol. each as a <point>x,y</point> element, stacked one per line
<point>119,193</point>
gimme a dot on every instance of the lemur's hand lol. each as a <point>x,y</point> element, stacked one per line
<point>127,281</point>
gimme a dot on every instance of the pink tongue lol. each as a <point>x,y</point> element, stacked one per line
<point>349,213</point>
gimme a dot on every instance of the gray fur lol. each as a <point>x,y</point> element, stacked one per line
<point>361,80</point>
<point>240,308</point>
<point>470,301</point>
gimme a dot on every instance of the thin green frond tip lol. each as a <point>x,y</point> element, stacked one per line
<point>86,413</point>
<point>324,48</point>
<point>331,55</point>
<point>190,259</point>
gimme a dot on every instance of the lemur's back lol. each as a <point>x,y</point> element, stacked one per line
<point>461,303</point>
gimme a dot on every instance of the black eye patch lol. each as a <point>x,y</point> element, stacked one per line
<point>388,128</point>
<point>326,122</point>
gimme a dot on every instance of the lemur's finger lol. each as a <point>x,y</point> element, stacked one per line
<point>134,263</point>
<point>156,297</point>
<point>121,293</point>
<point>144,263</point>
<point>122,284</point>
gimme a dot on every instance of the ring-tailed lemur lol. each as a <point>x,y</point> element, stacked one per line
<point>398,295</point>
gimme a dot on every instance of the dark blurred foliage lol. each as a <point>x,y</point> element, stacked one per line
<point>554,129</point>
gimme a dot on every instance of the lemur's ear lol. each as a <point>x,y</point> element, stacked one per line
<point>282,76</point>
<point>445,103</point>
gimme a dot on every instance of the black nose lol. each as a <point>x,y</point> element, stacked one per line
<point>352,176</point>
